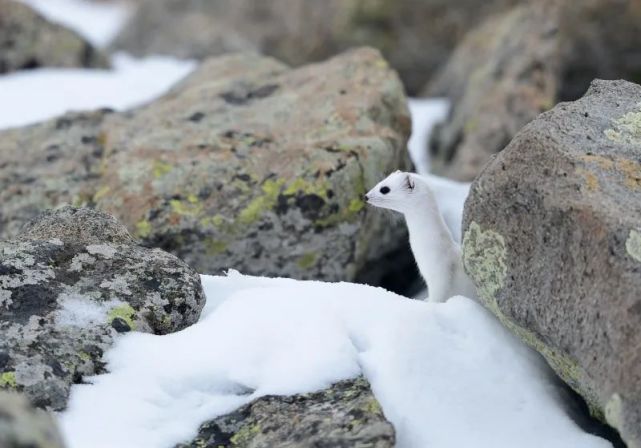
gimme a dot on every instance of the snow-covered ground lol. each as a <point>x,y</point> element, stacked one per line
<point>445,374</point>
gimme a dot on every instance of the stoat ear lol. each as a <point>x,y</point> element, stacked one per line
<point>409,183</point>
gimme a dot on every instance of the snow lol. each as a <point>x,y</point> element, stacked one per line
<point>445,374</point>
<point>76,311</point>
<point>35,95</point>
<point>98,22</point>
<point>426,113</point>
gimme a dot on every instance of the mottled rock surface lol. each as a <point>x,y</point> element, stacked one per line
<point>28,40</point>
<point>500,78</point>
<point>246,164</point>
<point>553,243</point>
<point>414,36</point>
<point>345,415</point>
<point>521,63</point>
<point>72,281</point>
<point>22,426</point>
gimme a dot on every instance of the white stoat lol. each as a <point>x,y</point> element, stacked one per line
<point>436,253</point>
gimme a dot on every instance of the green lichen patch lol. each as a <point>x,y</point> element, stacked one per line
<point>614,411</point>
<point>300,185</point>
<point>124,312</point>
<point>266,201</point>
<point>214,247</point>
<point>307,261</point>
<point>8,380</point>
<point>626,129</point>
<point>633,245</point>
<point>484,255</point>
<point>191,207</point>
<point>245,434</point>
<point>143,228</point>
<point>161,168</point>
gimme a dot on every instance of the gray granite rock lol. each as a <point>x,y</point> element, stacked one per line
<point>28,40</point>
<point>68,286</point>
<point>346,415</point>
<point>245,164</point>
<point>521,63</point>
<point>553,243</point>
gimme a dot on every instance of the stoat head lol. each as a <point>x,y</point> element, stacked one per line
<point>400,191</point>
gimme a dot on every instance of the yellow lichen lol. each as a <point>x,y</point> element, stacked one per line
<point>186,208</point>
<point>102,192</point>
<point>307,261</point>
<point>143,228</point>
<point>124,312</point>
<point>245,435</point>
<point>8,380</point>
<point>626,129</point>
<point>161,168</point>
<point>262,203</point>
<point>214,247</point>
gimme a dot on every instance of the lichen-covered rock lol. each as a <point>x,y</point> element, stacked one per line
<point>346,415</point>
<point>553,243</point>
<point>500,78</point>
<point>521,63</point>
<point>414,36</point>
<point>65,292</point>
<point>246,164</point>
<point>22,426</point>
<point>28,40</point>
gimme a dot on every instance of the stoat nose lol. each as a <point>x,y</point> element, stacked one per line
<point>365,198</point>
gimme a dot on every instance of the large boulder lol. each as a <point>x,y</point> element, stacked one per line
<point>28,40</point>
<point>552,240</point>
<point>69,284</point>
<point>415,36</point>
<point>22,426</point>
<point>521,63</point>
<point>345,415</point>
<point>500,78</point>
<point>246,164</point>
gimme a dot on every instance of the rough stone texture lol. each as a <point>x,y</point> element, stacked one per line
<point>22,426</point>
<point>553,243</point>
<point>516,65</point>
<point>500,78</point>
<point>65,293</point>
<point>344,416</point>
<point>27,40</point>
<point>246,164</point>
<point>415,36</point>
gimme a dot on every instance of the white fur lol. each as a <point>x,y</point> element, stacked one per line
<point>436,253</point>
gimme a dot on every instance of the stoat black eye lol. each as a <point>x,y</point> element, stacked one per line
<point>384,190</point>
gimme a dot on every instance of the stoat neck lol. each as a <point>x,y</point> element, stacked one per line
<point>436,253</point>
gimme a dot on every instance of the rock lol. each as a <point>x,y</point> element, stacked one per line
<point>523,62</point>
<point>22,426</point>
<point>415,36</point>
<point>246,164</point>
<point>28,40</point>
<point>553,243</point>
<point>500,78</point>
<point>65,293</point>
<point>345,415</point>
